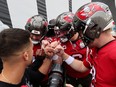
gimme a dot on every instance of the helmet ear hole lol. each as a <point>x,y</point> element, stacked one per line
<point>98,32</point>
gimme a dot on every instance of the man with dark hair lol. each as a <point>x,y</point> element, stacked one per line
<point>16,52</point>
<point>38,27</point>
<point>2,27</point>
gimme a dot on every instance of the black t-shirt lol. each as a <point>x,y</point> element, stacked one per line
<point>30,79</point>
<point>1,65</point>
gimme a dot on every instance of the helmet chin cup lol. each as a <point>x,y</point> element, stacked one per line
<point>86,40</point>
<point>35,42</point>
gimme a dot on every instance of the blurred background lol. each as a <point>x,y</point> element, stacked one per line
<point>15,13</point>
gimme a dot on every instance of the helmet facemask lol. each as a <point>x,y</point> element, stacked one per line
<point>36,36</point>
<point>66,33</point>
<point>88,32</point>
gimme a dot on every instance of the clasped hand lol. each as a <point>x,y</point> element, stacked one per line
<point>52,48</point>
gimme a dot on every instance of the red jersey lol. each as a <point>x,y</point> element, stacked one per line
<point>35,47</point>
<point>77,51</point>
<point>103,62</point>
<point>38,46</point>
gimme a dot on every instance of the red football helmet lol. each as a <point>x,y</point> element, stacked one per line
<point>64,25</point>
<point>37,25</point>
<point>91,19</point>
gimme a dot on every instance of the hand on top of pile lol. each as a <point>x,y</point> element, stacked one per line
<point>52,48</point>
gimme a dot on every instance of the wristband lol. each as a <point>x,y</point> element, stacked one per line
<point>55,57</point>
<point>69,60</point>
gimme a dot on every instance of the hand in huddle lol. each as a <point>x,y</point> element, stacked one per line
<point>69,85</point>
<point>52,48</point>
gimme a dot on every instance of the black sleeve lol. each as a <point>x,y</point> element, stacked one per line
<point>35,76</point>
<point>37,63</point>
<point>1,65</point>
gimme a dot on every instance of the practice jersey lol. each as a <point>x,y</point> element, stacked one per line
<point>78,51</point>
<point>38,46</point>
<point>35,47</point>
<point>103,63</point>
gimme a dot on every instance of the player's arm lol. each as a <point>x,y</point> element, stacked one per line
<point>45,66</point>
<point>75,64</point>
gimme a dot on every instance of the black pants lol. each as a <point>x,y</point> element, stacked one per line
<point>84,82</point>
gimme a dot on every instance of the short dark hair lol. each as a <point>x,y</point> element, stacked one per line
<point>13,40</point>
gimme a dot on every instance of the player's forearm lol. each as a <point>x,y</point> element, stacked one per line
<point>45,66</point>
<point>74,63</point>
